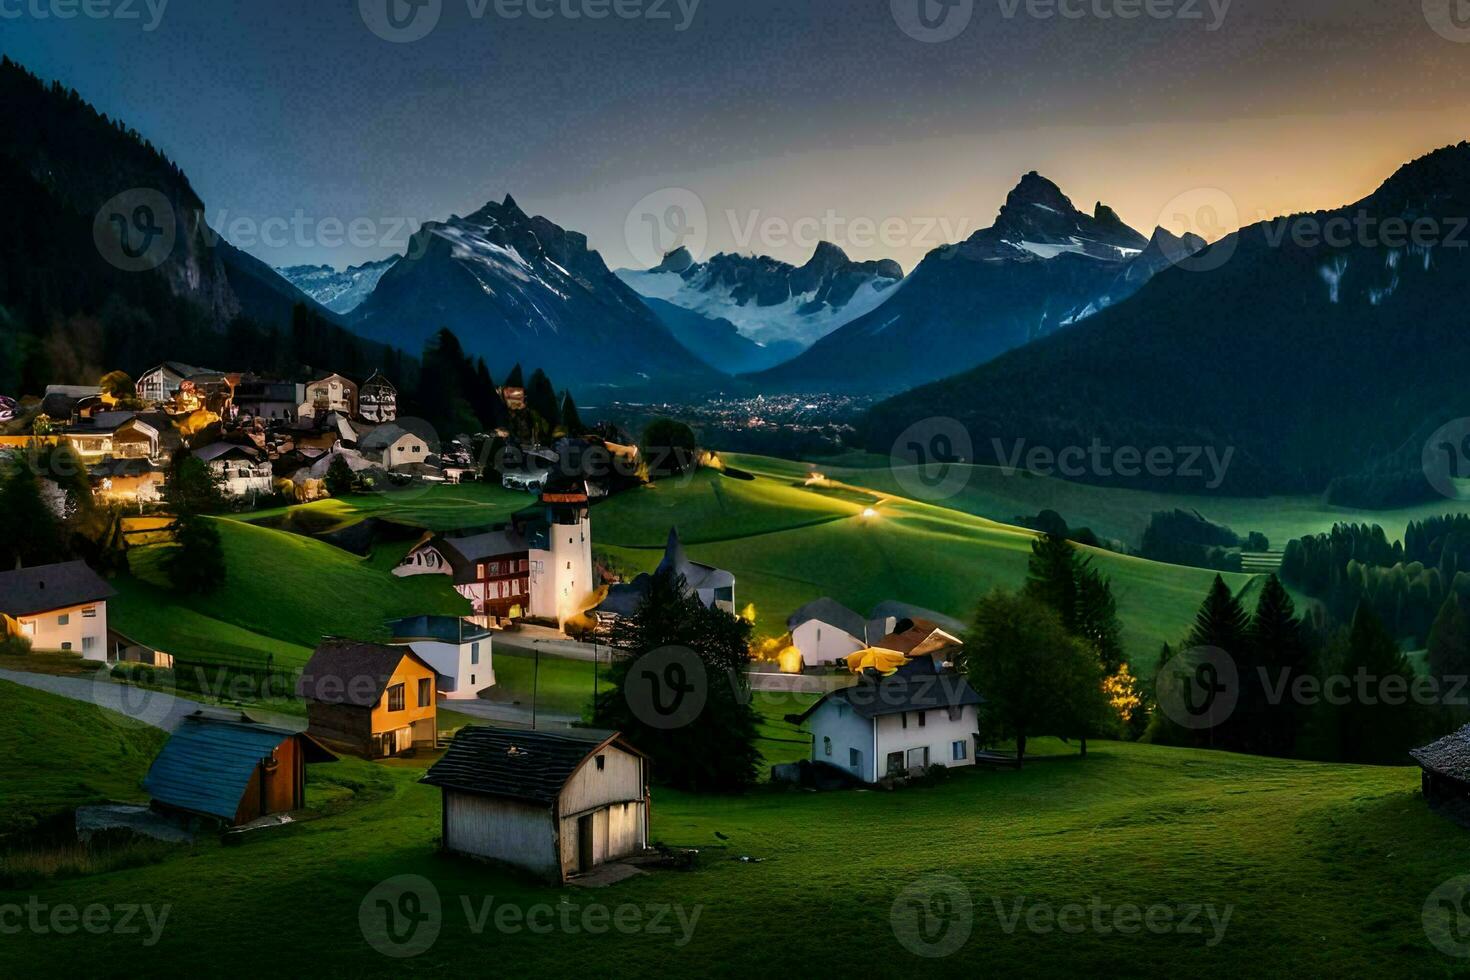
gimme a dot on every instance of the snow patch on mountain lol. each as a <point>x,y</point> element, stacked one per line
<point>340,292</point>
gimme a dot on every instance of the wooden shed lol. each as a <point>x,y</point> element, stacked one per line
<point>232,770</point>
<point>554,805</point>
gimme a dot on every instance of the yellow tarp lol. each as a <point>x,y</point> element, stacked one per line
<point>884,661</point>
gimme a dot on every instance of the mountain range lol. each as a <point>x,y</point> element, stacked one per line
<point>339,291</point>
<point>1041,266</point>
<point>774,303</point>
<point>1320,351</point>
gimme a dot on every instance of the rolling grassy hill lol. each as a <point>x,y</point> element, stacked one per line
<point>1328,867</point>
<point>62,754</point>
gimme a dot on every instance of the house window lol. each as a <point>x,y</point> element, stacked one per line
<point>89,643</point>
<point>956,712</point>
<point>959,751</point>
<point>921,718</point>
<point>474,653</point>
<point>480,572</point>
<point>63,619</point>
<point>827,744</point>
<point>90,612</point>
<point>601,763</point>
<point>919,758</point>
<point>426,692</point>
<point>895,763</point>
<point>66,645</point>
<point>395,697</point>
<point>854,759</point>
<point>904,719</point>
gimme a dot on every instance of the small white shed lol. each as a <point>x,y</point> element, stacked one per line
<point>554,805</point>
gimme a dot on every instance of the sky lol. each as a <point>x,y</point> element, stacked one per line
<point>323,131</point>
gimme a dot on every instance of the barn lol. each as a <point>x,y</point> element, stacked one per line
<point>231,770</point>
<point>553,805</point>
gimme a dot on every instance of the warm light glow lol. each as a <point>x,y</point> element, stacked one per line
<point>869,514</point>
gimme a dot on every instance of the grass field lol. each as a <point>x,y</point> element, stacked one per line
<point>1326,867</point>
<point>991,492</point>
<point>61,753</point>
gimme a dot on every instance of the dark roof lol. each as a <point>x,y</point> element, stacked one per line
<point>696,574</point>
<point>1450,756</point>
<point>903,610</point>
<point>207,765</point>
<point>222,450</point>
<point>831,612</point>
<point>918,686</point>
<point>109,467</point>
<point>351,673</point>
<point>909,634</point>
<point>445,629</point>
<point>624,598</point>
<point>44,587</point>
<point>519,765</point>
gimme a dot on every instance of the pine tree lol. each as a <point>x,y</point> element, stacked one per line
<point>1051,577</point>
<point>1222,622</point>
<point>1379,722</point>
<point>1449,658</point>
<point>541,399</point>
<point>1097,617</point>
<point>1280,652</point>
<point>571,421</point>
<point>516,378</point>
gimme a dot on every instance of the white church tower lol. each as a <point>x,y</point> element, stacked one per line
<point>561,565</point>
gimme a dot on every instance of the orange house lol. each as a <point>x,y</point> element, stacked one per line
<point>368,699</point>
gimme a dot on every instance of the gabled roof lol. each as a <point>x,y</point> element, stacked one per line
<point>696,574</point>
<point>831,612</point>
<point>528,766</point>
<point>207,765</point>
<point>917,686</point>
<point>903,610</point>
<point>184,371</point>
<point>223,450</point>
<point>1449,756</point>
<point>25,591</point>
<point>910,635</point>
<point>351,673</point>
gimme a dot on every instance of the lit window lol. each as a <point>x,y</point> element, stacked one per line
<point>395,697</point>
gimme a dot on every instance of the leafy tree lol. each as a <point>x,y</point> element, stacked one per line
<point>118,386</point>
<point>541,399</point>
<point>29,532</point>
<point>669,448</point>
<point>196,564</point>
<point>1051,577</point>
<point>339,478</point>
<point>69,472</point>
<point>1036,678</point>
<point>1097,619</point>
<point>571,420</point>
<point>192,486</point>
<point>716,750</point>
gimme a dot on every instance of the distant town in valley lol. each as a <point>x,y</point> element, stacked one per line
<point>574,483</point>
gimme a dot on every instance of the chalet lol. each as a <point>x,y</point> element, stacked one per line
<point>400,444</point>
<point>714,586</point>
<point>268,399</point>
<point>827,632</point>
<point>372,700</point>
<point>241,470</point>
<point>533,567</point>
<point>377,402</point>
<point>457,649</point>
<point>231,770</point>
<point>896,725</point>
<point>333,393</point>
<point>120,435</point>
<point>57,607</point>
<point>1445,765</point>
<point>160,384</point>
<point>553,805</point>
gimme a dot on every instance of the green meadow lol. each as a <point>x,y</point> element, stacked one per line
<point>1327,867</point>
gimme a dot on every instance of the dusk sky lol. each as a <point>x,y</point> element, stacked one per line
<point>784,109</point>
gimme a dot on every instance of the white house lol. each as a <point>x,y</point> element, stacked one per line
<point>377,402</point>
<point>242,470</point>
<point>159,384</point>
<point>119,435</point>
<point>400,444</point>
<point>554,805</point>
<point>896,725</point>
<point>333,393</point>
<point>457,649</point>
<point>827,632</point>
<point>57,607</point>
